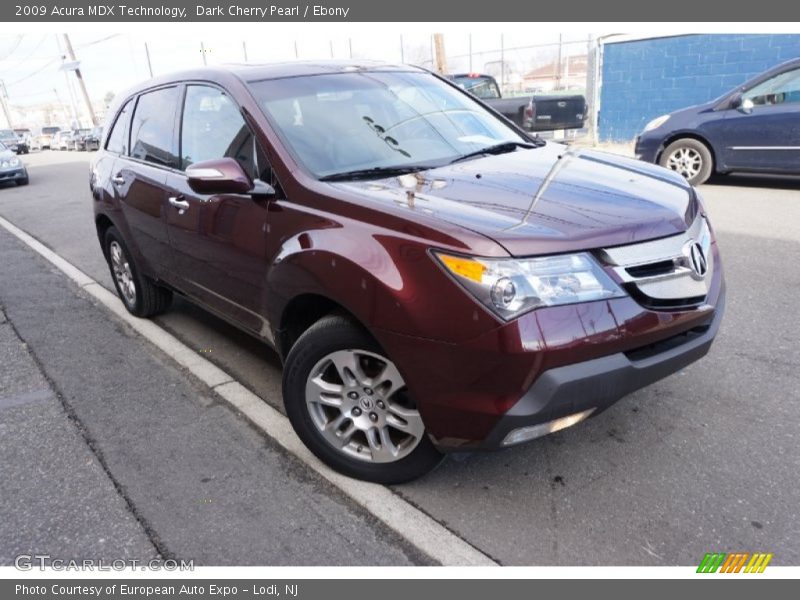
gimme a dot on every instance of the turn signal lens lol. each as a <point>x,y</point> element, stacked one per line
<point>465,267</point>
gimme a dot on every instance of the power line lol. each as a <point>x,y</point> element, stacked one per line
<point>13,49</point>
<point>108,37</point>
<point>36,72</point>
<point>31,53</point>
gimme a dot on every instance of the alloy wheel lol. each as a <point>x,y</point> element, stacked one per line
<point>122,273</point>
<point>359,404</point>
<point>686,161</point>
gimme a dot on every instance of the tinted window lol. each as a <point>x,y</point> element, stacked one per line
<point>213,127</point>
<point>780,89</point>
<point>153,127</point>
<point>482,86</point>
<point>118,138</point>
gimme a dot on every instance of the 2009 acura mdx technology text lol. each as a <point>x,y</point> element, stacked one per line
<point>433,279</point>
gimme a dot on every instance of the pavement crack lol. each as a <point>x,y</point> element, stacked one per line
<point>86,436</point>
<point>552,495</point>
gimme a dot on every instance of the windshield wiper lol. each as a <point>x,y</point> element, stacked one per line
<point>501,148</point>
<point>374,172</point>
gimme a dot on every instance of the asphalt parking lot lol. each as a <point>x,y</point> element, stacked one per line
<point>706,460</point>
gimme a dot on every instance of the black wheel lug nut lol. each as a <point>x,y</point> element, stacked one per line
<point>373,417</point>
<point>356,412</point>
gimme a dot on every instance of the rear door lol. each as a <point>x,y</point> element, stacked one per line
<point>219,241</point>
<point>141,175</point>
<point>766,137</point>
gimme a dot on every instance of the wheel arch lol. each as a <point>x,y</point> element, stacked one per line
<point>102,222</point>
<point>680,135</point>
<point>302,311</point>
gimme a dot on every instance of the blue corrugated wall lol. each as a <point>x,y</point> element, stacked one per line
<point>643,79</point>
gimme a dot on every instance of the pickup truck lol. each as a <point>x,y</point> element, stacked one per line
<point>540,112</point>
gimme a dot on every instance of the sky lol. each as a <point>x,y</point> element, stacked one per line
<point>30,62</point>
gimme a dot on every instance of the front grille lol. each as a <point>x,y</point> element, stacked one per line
<point>666,274</point>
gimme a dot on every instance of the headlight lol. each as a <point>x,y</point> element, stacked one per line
<point>4,164</point>
<point>510,287</point>
<point>655,123</point>
<point>14,162</point>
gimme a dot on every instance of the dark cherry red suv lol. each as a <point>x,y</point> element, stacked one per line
<point>433,278</point>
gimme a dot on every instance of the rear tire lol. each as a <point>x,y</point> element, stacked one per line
<point>350,407</point>
<point>140,295</point>
<point>689,157</point>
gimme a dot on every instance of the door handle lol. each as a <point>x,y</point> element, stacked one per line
<point>178,202</point>
<point>118,180</point>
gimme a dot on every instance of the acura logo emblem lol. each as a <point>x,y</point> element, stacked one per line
<point>698,262</point>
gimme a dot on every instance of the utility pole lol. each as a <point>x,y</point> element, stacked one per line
<point>441,58</point>
<point>244,50</point>
<point>81,83</point>
<point>558,72</point>
<point>3,98</point>
<point>203,53</point>
<point>147,54</point>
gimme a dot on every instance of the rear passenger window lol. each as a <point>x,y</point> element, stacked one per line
<point>153,127</point>
<point>118,138</point>
<point>213,127</point>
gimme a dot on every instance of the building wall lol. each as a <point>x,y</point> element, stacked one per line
<point>643,79</point>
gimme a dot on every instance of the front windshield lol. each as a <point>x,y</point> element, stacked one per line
<point>337,123</point>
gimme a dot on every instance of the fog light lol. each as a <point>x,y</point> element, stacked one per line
<point>523,434</point>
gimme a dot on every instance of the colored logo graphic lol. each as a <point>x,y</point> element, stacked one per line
<point>743,562</point>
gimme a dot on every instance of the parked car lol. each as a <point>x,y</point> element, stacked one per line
<point>24,134</point>
<point>91,141</point>
<point>75,141</point>
<point>752,128</point>
<point>13,142</point>
<point>45,137</point>
<point>431,278</point>
<point>61,140</point>
<point>540,112</point>
<point>11,167</point>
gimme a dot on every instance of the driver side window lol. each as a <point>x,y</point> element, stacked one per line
<point>781,89</point>
<point>212,127</point>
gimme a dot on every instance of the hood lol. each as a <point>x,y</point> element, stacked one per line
<point>546,200</point>
<point>7,155</point>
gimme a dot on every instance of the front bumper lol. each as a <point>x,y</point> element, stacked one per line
<point>13,174</point>
<point>648,147</point>
<point>591,386</point>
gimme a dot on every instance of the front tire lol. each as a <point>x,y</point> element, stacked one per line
<point>689,157</point>
<point>140,295</point>
<point>349,405</point>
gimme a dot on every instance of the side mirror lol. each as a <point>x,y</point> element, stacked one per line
<point>742,104</point>
<point>218,176</point>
